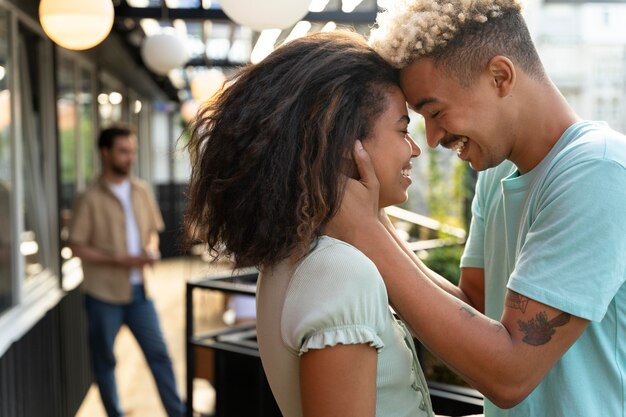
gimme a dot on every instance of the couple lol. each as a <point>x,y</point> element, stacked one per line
<point>295,160</point>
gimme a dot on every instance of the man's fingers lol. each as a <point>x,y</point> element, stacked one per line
<point>364,165</point>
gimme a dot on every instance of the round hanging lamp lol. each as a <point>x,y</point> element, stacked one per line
<point>266,14</point>
<point>5,109</point>
<point>164,51</point>
<point>189,110</point>
<point>205,84</point>
<point>76,24</point>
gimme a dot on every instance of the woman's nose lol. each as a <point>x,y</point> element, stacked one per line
<point>415,149</point>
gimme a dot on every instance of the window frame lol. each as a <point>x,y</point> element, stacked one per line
<point>32,298</point>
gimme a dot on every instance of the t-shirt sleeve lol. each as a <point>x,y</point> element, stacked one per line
<point>574,256</point>
<point>336,296</point>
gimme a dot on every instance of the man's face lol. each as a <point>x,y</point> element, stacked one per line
<point>120,158</point>
<point>469,120</point>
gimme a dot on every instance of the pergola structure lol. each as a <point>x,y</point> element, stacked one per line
<point>215,41</point>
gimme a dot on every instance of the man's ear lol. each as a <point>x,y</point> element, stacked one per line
<point>503,74</point>
<point>104,153</point>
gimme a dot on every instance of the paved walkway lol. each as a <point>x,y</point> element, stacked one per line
<point>138,392</point>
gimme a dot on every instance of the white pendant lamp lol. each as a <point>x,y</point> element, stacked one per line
<point>189,110</point>
<point>5,109</point>
<point>265,14</point>
<point>206,84</point>
<point>164,51</point>
<point>76,24</point>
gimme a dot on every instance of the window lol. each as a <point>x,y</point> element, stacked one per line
<point>75,124</point>
<point>67,125</point>
<point>111,102</point>
<point>86,123</point>
<point>6,244</point>
<point>38,243</point>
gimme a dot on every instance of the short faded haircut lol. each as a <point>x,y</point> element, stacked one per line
<point>460,36</point>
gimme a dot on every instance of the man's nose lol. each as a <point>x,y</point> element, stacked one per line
<point>434,134</point>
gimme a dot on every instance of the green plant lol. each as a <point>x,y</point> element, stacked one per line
<point>445,261</point>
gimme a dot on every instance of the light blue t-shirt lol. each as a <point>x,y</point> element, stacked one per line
<point>557,235</point>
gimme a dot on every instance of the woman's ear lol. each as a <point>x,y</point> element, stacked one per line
<point>349,168</point>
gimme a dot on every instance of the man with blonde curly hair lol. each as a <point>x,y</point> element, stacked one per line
<point>538,321</point>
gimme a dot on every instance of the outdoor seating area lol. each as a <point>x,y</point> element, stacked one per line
<point>239,386</point>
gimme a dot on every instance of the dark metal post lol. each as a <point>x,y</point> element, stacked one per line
<point>189,348</point>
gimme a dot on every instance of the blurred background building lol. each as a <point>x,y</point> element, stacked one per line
<point>161,59</point>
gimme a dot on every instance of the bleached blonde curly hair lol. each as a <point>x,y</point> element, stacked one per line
<point>461,36</point>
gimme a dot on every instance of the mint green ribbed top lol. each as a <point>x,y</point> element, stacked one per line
<point>335,295</point>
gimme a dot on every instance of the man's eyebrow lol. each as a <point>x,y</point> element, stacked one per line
<point>424,102</point>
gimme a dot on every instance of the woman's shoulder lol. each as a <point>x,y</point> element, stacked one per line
<point>335,270</point>
<point>334,258</point>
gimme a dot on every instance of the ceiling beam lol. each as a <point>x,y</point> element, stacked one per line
<point>205,62</point>
<point>124,11</point>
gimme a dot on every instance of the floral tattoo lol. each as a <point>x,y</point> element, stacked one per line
<point>539,331</point>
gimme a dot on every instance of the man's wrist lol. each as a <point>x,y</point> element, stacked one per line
<point>118,261</point>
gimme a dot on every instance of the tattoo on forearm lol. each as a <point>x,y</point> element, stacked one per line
<point>516,301</point>
<point>539,331</point>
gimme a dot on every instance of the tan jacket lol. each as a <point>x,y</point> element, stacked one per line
<point>98,222</point>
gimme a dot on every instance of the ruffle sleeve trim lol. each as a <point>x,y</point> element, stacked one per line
<point>345,335</point>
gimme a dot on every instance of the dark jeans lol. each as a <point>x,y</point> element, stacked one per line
<point>105,320</point>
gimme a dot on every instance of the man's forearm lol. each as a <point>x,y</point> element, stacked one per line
<point>440,281</point>
<point>97,256</point>
<point>480,349</point>
<point>93,255</point>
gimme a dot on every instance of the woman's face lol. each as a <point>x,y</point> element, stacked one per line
<point>391,149</point>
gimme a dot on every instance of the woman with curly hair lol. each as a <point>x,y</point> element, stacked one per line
<point>271,157</point>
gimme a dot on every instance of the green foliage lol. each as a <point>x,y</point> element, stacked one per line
<point>445,261</point>
<point>449,193</point>
<point>67,150</point>
<point>437,193</point>
<point>464,185</point>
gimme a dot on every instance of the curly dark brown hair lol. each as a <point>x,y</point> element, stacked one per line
<point>267,154</point>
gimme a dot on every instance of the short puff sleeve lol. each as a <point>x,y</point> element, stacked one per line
<point>336,296</point>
